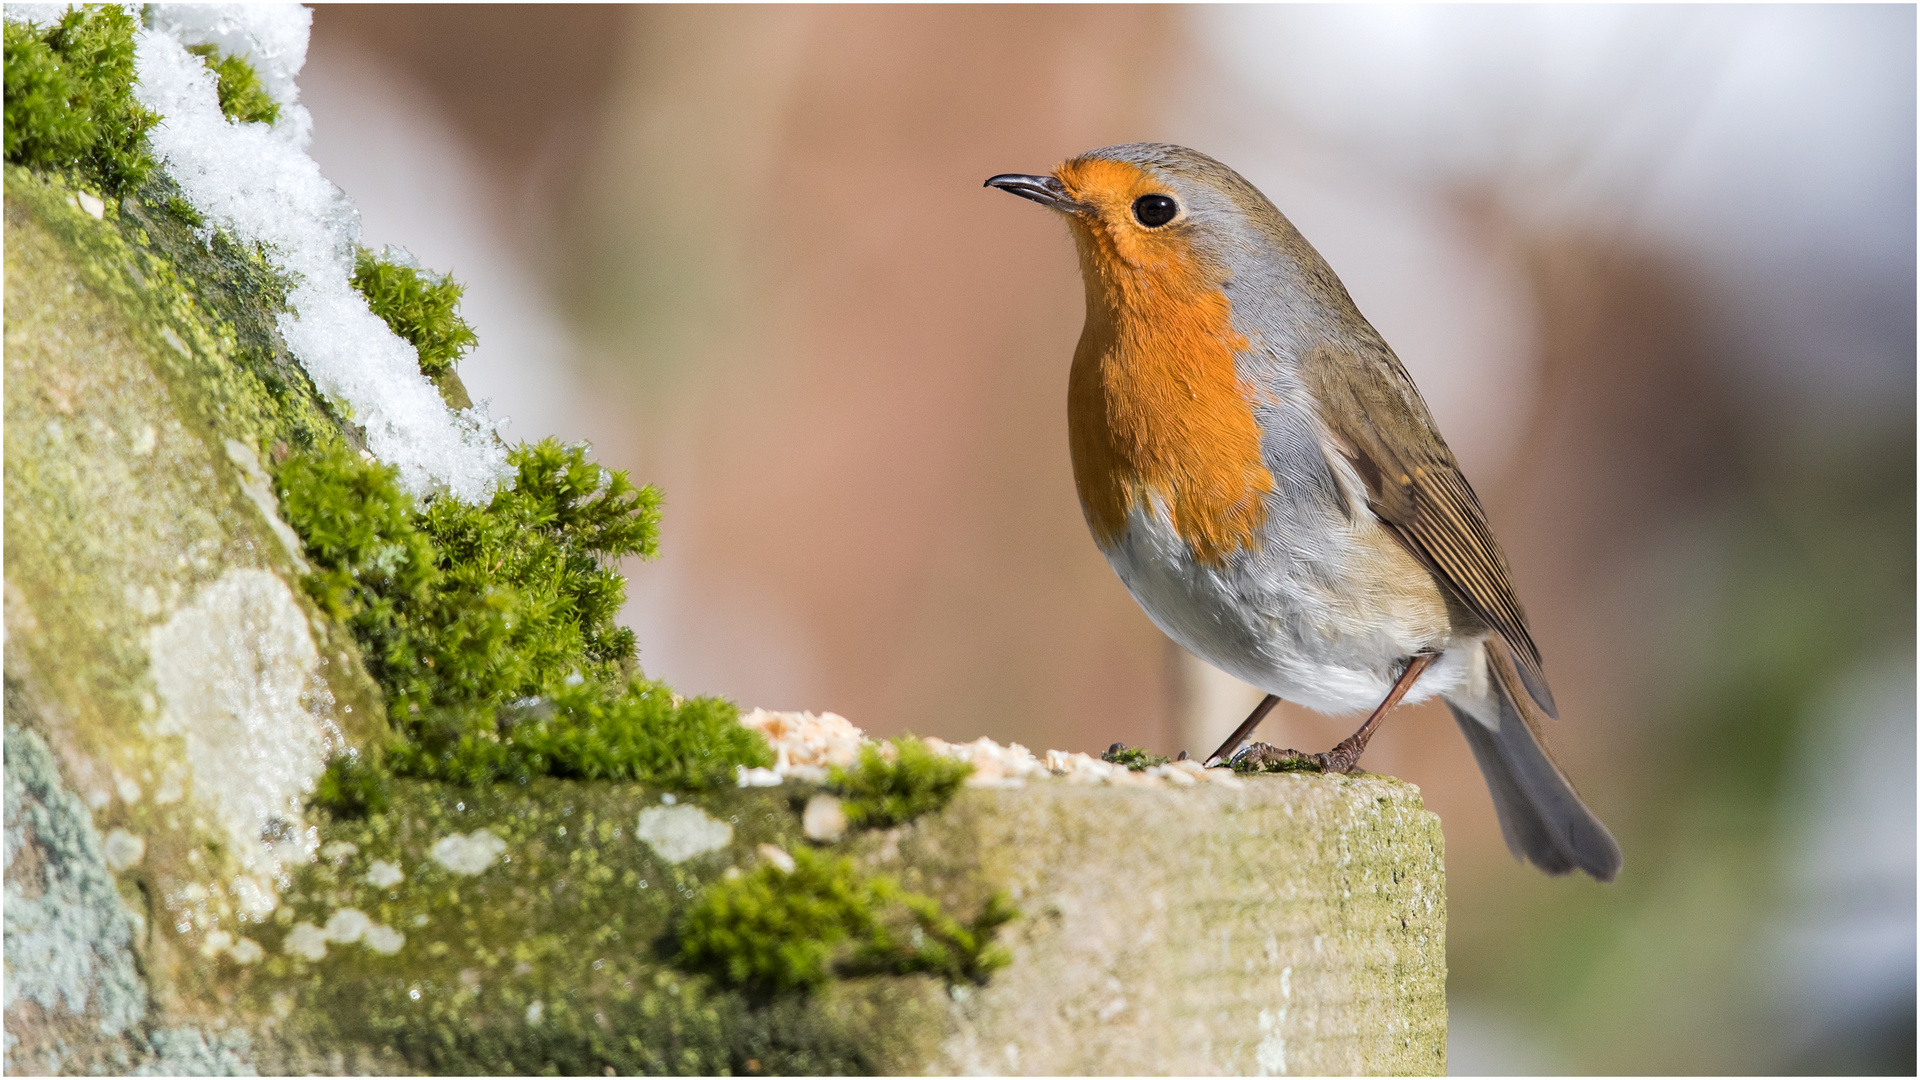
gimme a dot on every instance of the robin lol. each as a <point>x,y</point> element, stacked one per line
<point>1262,474</point>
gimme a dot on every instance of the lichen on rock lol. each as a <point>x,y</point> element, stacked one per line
<point>238,678</point>
<point>69,938</point>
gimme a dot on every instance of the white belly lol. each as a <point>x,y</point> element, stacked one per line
<point>1303,618</point>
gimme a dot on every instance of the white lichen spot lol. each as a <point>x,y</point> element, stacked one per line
<point>384,875</point>
<point>254,896</point>
<point>307,941</point>
<point>90,203</point>
<point>347,925</point>
<point>1271,1054</point>
<point>754,777</point>
<point>777,857</point>
<point>384,940</point>
<point>534,1012</point>
<point>468,854</point>
<point>217,942</point>
<point>145,440</point>
<point>246,951</point>
<point>823,819</point>
<point>339,849</point>
<point>678,833</point>
<point>123,849</point>
<point>238,679</point>
<point>127,788</point>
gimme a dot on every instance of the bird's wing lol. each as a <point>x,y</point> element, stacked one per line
<point>1380,424</point>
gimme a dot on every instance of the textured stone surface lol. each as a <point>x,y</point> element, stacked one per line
<point>1297,925</point>
<point>172,906</point>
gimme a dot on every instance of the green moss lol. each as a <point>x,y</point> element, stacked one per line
<point>1132,757</point>
<point>242,97</point>
<point>463,605</point>
<point>943,946</point>
<point>352,787</point>
<point>775,929</point>
<point>418,307</point>
<point>492,628</point>
<point>778,930</point>
<point>638,730</point>
<point>182,209</point>
<point>69,98</point>
<point>879,792</point>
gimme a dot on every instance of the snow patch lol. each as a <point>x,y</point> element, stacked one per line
<point>270,37</point>
<point>262,188</point>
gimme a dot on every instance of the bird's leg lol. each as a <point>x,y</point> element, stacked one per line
<point>1345,756</point>
<point>1240,734</point>
<point>1261,757</point>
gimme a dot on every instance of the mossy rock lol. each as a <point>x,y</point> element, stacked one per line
<point>174,904</point>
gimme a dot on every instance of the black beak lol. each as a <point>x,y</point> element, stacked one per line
<point>1044,190</point>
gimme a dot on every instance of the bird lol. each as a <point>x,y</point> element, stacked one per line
<point>1260,471</point>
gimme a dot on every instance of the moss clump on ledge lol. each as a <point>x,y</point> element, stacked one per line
<point>789,927</point>
<point>69,99</point>
<point>242,97</point>
<point>897,782</point>
<point>1133,757</point>
<point>637,731</point>
<point>422,309</point>
<point>464,605</point>
<point>492,631</point>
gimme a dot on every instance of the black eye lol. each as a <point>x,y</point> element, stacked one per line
<point>1154,211</point>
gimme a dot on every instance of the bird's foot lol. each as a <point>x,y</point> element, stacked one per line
<point>1264,757</point>
<point>1341,759</point>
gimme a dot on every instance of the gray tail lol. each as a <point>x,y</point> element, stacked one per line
<point>1541,815</point>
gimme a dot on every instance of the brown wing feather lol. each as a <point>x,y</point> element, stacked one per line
<point>1413,484</point>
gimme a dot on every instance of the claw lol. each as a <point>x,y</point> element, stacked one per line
<point>1264,757</point>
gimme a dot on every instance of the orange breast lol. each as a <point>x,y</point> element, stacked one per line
<point>1155,408</point>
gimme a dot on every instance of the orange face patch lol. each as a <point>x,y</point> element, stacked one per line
<point>1154,405</point>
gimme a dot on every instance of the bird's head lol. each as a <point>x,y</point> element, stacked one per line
<point>1156,222</point>
<point>1151,214</point>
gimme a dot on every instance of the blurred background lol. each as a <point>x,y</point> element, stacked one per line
<point>1653,268</point>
